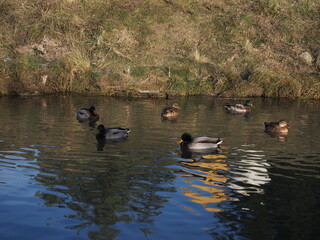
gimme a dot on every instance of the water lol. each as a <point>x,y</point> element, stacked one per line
<point>57,182</point>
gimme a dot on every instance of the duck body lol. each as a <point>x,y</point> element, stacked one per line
<point>87,114</point>
<point>277,127</point>
<point>238,107</point>
<point>172,111</point>
<point>199,142</point>
<point>112,133</point>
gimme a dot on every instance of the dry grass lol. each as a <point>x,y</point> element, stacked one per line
<point>187,47</point>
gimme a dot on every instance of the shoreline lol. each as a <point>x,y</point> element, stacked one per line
<point>146,94</point>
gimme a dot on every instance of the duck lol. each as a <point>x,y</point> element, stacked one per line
<point>238,107</point>
<point>111,133</point>
<point>87,114</point>
<point>199,142</point>
<point>281,127</point>
<point>172,111</point>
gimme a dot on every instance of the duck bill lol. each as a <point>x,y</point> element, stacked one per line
<point>180,141</point>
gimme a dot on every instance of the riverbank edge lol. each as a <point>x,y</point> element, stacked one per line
<point>145,94</point>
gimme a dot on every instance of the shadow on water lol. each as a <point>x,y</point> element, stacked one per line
<point>101,142</point>
<point>55,173</point>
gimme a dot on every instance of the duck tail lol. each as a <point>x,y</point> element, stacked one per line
<point>219,141</point>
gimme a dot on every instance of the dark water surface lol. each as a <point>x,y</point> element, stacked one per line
<point>56,182</point>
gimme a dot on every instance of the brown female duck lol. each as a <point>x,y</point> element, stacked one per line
<point>172,111</point>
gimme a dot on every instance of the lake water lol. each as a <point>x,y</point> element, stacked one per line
<point>57,182</point>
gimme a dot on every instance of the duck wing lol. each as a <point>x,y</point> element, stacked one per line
<point>204,143</point>
<point>229,105</point>
<point>271,126</point>
<point>117,132</point>
<point>93,117</point>
<point>206,139</point>
<point>236,107</point>
<point>240,106</point>
<point>83,113</point>
<point>267,124</point>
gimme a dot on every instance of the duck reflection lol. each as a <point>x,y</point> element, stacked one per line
<point>281,137</point>
<point>102,142</point>
<point>172,119</point>
<point>209,178</point>
<point>196,154</point>
<point>92,124</point>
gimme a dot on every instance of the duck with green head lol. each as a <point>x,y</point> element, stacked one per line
<point>238,107</point>
<point>87,114</point>
<point>198,143</point>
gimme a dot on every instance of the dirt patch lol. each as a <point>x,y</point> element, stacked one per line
<point>48,48</point>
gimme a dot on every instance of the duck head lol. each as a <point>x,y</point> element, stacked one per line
<point>175,105</point>
<point>101,129</point>
<point>185,138</point>
<point>283,124</point>
<point>92,109</point>
<point>248,103</point>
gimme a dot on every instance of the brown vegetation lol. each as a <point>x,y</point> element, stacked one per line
<point>223,48</point>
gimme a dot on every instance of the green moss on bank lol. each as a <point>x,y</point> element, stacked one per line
<point>224,48</point>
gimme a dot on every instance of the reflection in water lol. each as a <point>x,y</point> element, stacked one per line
<point>210,177</point>
<point>102,142</point>
<point>250,173</point>
<point>53,178</point>
<point>173,119</point>
<point>103,193</point>
<point>281,137</point>
<point>196,154</point>
<point>220,177</point>
<point>92,124</point>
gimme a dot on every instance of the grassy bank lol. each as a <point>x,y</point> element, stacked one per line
<point>224,47</point>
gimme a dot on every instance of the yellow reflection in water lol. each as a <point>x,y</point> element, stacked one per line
<point>209,173</point>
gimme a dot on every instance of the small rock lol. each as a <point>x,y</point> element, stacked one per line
<point>306,57</point>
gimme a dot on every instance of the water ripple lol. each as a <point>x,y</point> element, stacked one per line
<point>248,171</point>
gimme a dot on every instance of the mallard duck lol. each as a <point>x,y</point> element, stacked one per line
<point>238,107</point>
<point>87,114</point>
<point>111,133</point>
<point>198,143</point>
<point>172,111</point>
<point>277,127</point>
